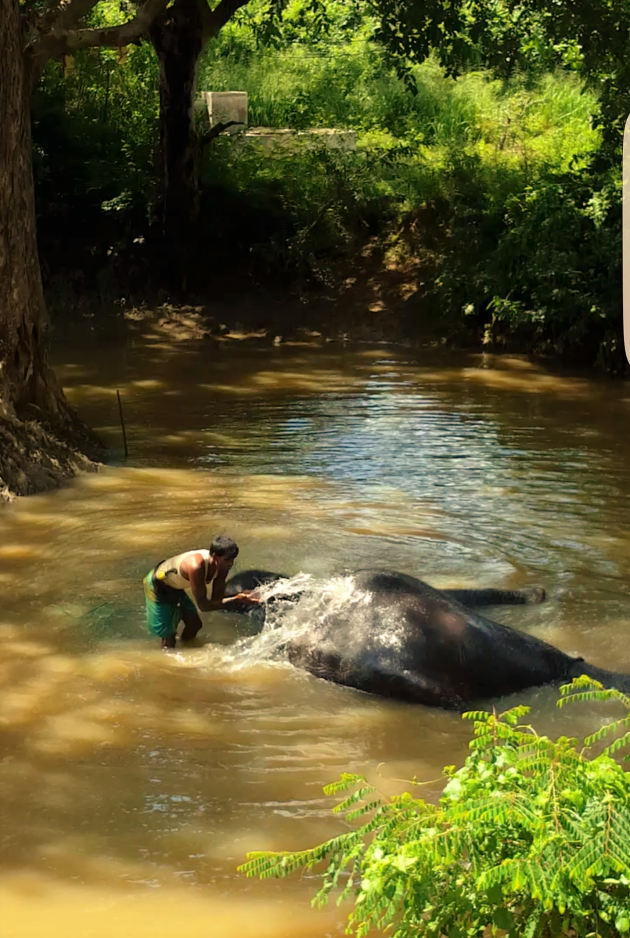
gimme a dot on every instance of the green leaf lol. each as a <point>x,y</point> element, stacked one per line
<point>503,918</point>
<point>530,836</point>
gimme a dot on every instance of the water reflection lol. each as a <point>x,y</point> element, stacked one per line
<point>132,783</point>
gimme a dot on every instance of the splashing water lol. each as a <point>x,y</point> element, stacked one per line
<point>301,606</point>
<point>288,588</point>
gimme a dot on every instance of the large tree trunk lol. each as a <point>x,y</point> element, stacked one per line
<point>177,39</point>
<point>25,377</point>
<point>31,459</point>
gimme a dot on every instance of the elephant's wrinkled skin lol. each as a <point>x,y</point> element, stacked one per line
<point>420,644</point>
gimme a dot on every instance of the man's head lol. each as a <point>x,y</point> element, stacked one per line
<point>224,551</point>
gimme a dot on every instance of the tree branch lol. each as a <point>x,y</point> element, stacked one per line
<point>215,131</point>
<point>63,41</point>
<point>64,14</point>
<point>213,21</point>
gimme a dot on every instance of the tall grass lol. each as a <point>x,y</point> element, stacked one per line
<point>411,150</point>
<point>350,86</point>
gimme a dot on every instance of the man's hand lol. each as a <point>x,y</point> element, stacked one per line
<point>248,596</point>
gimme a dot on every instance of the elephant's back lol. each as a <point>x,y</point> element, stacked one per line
<point>432,634</point>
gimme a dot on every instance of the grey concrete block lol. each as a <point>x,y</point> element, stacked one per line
<point>225,106</point>
<point>272,139</point>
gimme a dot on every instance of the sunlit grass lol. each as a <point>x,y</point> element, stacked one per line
<point>352,88</point>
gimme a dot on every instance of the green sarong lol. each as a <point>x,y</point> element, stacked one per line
<point>164,606</point>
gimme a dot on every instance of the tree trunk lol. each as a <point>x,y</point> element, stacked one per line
<point>25,378</point>
<point>176,37</point>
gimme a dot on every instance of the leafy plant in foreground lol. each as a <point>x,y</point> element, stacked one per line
<point>531,837</point>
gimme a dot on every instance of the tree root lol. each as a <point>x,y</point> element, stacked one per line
<point>34,459</point>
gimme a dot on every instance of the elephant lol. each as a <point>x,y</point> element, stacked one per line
<point>423,645</point>
<point>251,579</point>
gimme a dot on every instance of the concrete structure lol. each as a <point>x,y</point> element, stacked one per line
<point>272,139</point>
<point>224,106</point>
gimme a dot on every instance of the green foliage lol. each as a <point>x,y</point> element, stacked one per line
<point>95,134</point>
<point>304,207</point>
<point>590,36</point>
<point>567,234</point>
<point>493,182</point>
<point>531,837</point>
<point>503,35</point>
<point>537,259</point>
<point>525,239</point>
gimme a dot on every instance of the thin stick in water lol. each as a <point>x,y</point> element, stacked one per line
<point>122,423</point>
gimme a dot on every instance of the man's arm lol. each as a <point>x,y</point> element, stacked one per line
<point>218,588</point>
<point>196,570</point>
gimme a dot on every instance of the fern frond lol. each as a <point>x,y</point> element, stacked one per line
<point>582,681</point>
<point>481,742</point>
<point>620,826</point>
<point>513,715</point>
<point>593,691</point>
<point>608,847</point>
<point>356,796</point>
<point>272,863</point>
<point>346,781</point>
<point>479,716</point>
<point>574,828</point>
<point>520,873</point>
<point>618,744</point>
<point>501,808</point>
<point>363,810</point>
<point>606,730</point>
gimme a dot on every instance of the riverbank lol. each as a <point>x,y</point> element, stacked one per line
<point>392,288</point>
<point>475,212</point>
<point>380,295</point>
<point>33,459</point>
<point>381,305</point>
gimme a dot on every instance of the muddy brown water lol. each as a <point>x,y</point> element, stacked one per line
<point>132,783</point>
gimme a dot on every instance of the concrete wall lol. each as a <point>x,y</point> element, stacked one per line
<point>272,139</point>
<point>224,106</point>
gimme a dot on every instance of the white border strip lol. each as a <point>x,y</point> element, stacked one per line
<point>626,237</point>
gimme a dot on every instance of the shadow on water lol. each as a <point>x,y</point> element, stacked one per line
<point>132,783</point>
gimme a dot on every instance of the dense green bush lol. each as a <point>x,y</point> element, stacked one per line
<point>531,837</point>
<point>540,268</point>
<point>95,133</point>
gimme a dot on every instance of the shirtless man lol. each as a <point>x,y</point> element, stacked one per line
<point>166,601</point>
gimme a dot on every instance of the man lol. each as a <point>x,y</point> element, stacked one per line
<point>166,601</point>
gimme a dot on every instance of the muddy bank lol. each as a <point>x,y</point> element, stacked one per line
<point>364,308</point>
<point>34,459</point>
<point>379,298</point>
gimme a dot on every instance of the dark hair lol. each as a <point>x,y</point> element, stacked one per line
<point>224,546</point>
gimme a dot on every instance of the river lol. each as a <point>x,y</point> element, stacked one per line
<point>133,782</point>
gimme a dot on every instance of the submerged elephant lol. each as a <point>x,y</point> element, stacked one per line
<point>420,644</point>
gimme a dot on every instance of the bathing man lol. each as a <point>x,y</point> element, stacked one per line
<point>166,601</point>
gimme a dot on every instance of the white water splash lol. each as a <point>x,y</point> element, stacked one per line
<point>290,587</point>
<point>301,605</point>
